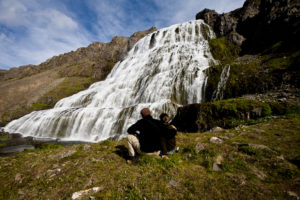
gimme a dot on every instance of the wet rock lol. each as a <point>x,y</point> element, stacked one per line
<point>15,135</point>
<point>82,193</point>
<point>200,147</point>
<point>293,194</point>
<point>216,140</point>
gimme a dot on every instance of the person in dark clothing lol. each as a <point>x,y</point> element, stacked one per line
<point>144,135</point>
<point>168,140</point>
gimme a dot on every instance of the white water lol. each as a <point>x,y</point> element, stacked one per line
<point>163,70</point>
<point>219,92</point>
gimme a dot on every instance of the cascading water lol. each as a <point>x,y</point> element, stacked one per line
<point>218,94</point>
<point>162,71</point>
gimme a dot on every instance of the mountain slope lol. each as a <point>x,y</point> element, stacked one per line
<point>31,87</point>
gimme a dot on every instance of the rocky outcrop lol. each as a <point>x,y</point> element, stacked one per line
<point>224,113</point>
<point>258,24</point>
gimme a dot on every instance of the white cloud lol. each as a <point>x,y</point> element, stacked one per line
<point>32,31</point>
<point>38,33</point>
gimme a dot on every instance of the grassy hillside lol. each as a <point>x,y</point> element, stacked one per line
<point>252,162</point>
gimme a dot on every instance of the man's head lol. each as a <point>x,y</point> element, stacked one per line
<point>164,117</point>
<point>145,112</point>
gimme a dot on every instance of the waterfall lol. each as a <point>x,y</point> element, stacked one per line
<point>218,94</point>
<point>162,71</point>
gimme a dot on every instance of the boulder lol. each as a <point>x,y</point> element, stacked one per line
<point>216,140</point>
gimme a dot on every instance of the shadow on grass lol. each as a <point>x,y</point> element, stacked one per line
<point>122,151</point>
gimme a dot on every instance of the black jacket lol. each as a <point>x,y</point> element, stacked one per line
<point>148,131</point>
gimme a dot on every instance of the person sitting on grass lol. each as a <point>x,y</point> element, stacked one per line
<point>168,140</point>
<point>144,135</point>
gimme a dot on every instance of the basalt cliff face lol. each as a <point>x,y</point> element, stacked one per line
<point>258,24</point>
<point>257,47</point>
<point>35,87</point>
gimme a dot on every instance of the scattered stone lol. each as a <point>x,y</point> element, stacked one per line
<point>216,167</point>
<point>281,157</point>
<point>293,194</point>
<point>224,137</point>
<point>258,173</point>
<point>197,139</point>
<point>82,193</point>
<point>243,134</point>
<point>92,198</point>
<point>258,130</point>
<point>216,140</point>
<point>259,146</point>
<point>64,154</point>
<point>86,147</point>
<point>282,100</point>
<point>219,159</point>
<point>18,178</point>
<point>200,147</point>
<point>20,192</point>
<point>54,172</point>
<point>216,129</point>
<point>173,183</point>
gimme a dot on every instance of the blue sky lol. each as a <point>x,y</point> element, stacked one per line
<point>31,31</point>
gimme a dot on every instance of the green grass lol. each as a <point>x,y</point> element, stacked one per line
<point>47,174</point>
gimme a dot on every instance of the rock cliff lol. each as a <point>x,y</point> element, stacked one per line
<point>258,24</point>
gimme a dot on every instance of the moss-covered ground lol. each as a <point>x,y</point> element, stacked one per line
<point>247,172</point>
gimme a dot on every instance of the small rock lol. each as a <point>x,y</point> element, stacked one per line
<point>216,140</point>
<point>259,146</point>
<point>293,194</point>
<point>20,192</point>
<point>200,147</point>
<point>224,137</point>
<point>81,193</point>
<point>219,159</point>
<point>92,198</point>
<point>216,129</point>
<point>282,100</point>
<point>18,178</point>
<point>281,157</point>
<point>258,173</point>
<point>216,167</point>
<point>197,139</point>
<point>86,147</point>
<point>173,183</point>
<point>66,153</point>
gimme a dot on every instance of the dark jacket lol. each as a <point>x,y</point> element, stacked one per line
<point>148,131</point>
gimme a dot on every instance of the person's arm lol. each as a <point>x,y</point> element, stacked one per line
<point>134,128</point>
